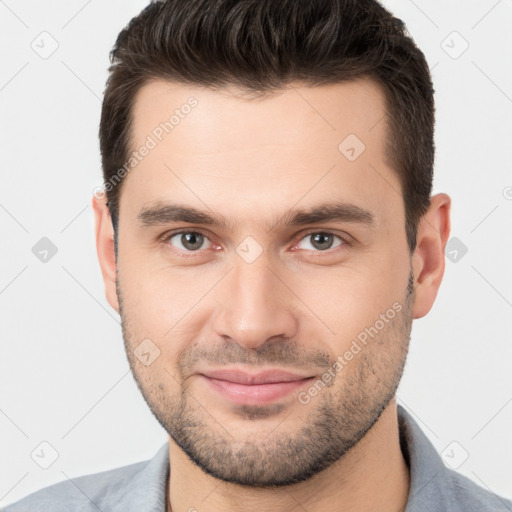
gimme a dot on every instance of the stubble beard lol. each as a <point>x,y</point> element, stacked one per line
<point>339,417</point>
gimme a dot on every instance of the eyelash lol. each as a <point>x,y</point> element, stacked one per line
<point>167,236</point>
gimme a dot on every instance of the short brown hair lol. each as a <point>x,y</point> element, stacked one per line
<point>263,45</point>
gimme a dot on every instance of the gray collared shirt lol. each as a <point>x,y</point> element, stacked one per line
<point>141,487</point>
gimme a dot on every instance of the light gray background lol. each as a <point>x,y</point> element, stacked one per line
<point>65,377</point>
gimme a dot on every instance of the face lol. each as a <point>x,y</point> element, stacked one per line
<point>263,274</point>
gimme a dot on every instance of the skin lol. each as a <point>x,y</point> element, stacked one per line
<point>297,306</point>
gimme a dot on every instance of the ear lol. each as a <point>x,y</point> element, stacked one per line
<point>428,260</point>
<point>105,247</point>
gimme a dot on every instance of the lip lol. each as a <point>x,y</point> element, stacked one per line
<point>253,388</point>
<point>264,377</point>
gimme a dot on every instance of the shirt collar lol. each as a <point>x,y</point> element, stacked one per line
<point>425,466</point>
<point>146,490</point>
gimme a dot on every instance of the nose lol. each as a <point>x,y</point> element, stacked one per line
<point>255,305</point>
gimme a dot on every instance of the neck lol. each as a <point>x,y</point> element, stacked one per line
<point>373,475</point>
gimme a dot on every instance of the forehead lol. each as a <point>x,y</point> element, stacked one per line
<point>301,144</point>
<point>229,119</point>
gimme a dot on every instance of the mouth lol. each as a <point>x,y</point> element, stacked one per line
<point>254,388</point>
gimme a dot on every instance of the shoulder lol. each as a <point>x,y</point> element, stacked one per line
<point>435,487</point>
<point>120,488</point>
<point>82,493</point>
<point>467,496</point>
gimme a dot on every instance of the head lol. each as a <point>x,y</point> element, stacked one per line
<point>268,208</point>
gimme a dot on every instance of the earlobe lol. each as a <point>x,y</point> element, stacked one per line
<point>105,248</point>
<point>428,260</point>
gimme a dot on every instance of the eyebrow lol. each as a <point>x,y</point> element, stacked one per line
<point>163,213</point>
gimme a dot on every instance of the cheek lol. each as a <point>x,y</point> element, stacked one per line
<point>345,301</point>
<point>174,305</point>
<point>156,294</point>
<point>170,307</point>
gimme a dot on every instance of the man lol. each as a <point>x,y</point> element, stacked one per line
<point>268,236</point>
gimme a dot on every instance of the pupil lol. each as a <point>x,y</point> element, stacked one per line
<point>188,240</point>
<point>320,236</point>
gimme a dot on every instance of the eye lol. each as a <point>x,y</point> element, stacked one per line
<point>321,240</point>
<point>194,241</point>
<point>186,241</point>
